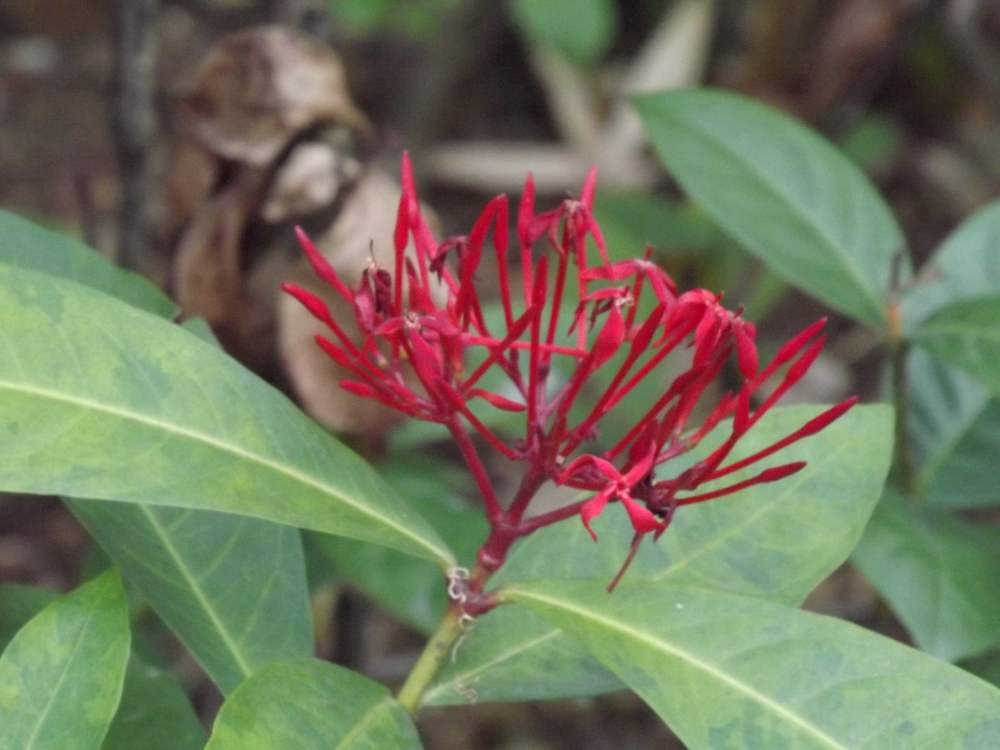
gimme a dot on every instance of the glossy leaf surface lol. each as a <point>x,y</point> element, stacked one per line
<point>732,671</point>
<point>783,192</point>
<point>107,402</point>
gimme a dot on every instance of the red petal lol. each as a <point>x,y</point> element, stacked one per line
<point>337,354</point>
<point>663,286</point>
<point>310,301</point>
<point>811,427</point>
<point>358,389</point>
<point>741,419</point>
<point>820,421</point>
<point>497,400</point>
<point>595,231</point>
<point>791,347</point>
<point>426,364</point>
<point>402,229</point>
<point>643,520</point>
<point>423,240</point>
<point>589,188</point>
<point>610,338</point>
<point>500,242</point>
<point>746,351</point>
<point>768,475</point>
<point>409,187</point>
<point>780,472</point>
<point>592,509</point>
<point>364,308</point>
<point>525,213</point>
<point>320,265</point>
<point>399,242</point>
<point>616,271</point>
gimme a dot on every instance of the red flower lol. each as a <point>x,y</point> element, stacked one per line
<point>405,326</point>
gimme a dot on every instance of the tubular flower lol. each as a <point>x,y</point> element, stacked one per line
<point>408,348</point>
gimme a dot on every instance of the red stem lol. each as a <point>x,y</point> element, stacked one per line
<point>494,512</point>
<point>545,519</point>
<point>533,479</point>
<point>497,351</point>
<point>550,336</point>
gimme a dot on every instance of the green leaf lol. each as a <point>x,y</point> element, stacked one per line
<point>18,604</point>
<point>632,220</point>
<point>955,430</point>
<point>731,671</point>
<point>61,677</point>
<point>412,590</point>
<point>966,265</point>
<point>27,245</point>
<point>154,714</point>
<point>580,30</point>
<point>940,575</point>
<point>783,192</point>
<point>967,334</point>
<point>100,400</point>
<point>774,541</point>
<point>233,589</point>
<point>307,703</point>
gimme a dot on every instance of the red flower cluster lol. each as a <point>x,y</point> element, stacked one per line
<point>416,325</point>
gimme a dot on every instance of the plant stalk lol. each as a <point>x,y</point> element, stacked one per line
<point>899,348</point>
<point>434,653</point>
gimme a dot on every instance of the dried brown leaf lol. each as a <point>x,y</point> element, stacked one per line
<point>207,275</point>
<point>258,88</point>
<point>193,172</point>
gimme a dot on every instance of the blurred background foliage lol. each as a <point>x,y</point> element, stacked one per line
<point>151,131</point>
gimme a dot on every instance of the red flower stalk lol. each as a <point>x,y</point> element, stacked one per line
<point>416,326</point>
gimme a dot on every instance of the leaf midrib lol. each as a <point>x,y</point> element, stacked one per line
<point>457,680</point>
<point>54,694</point>
<point>364,721</point>
<point>235,450</point>
<point>661,645</point>
<point>198,592</point>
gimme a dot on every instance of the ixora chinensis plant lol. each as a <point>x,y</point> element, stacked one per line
<point>411,355</point>
<point>587,380</point>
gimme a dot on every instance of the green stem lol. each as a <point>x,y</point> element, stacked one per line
<point>435,652</point>
<point>906,464</point>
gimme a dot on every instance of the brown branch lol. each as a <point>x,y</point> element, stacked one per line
<point>133,117</point>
